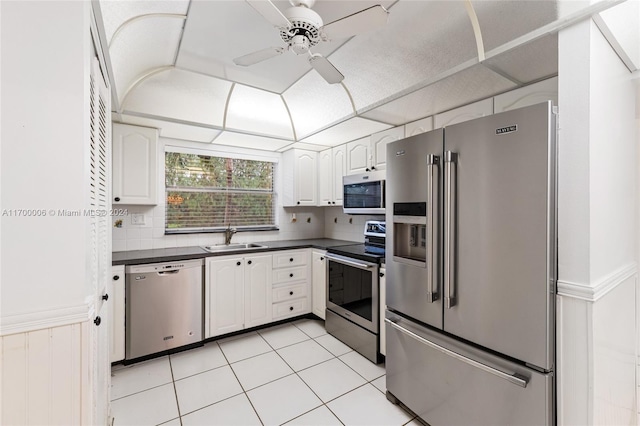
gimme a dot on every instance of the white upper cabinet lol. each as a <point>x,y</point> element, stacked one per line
<point>468,112</point>
<point>332,165</point>
<point>379,143</point>
<point>546,90</point>
<point>299,175</point>
<point>419,126</point>
<point>135,162</point>
<point>358,156</point>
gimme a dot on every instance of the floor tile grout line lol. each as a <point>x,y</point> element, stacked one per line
<point>175,390</point>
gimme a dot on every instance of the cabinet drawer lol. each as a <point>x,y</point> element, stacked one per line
<point>290,274</point>
<point>290,258</point>
<point>290,308</point>
<point>289,292</point>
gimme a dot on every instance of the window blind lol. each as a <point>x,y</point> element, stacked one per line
<point>205,193</point>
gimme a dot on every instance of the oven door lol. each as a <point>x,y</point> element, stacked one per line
<point>352,290</point>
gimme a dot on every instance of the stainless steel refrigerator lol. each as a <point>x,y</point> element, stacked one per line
<point>471,270</point>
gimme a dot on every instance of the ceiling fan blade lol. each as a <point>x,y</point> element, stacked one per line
<point>270,12</point>
<point>368,19</point>
<point>259,56</point>
<point>325,69</point>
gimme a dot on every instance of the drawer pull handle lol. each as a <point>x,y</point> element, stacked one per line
<point>291,308</point>
<point>238,263</point>
<point>290,275</point>
<point>291,259</point>
<point>290,293</point>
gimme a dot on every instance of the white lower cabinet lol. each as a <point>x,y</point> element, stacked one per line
<point>318,283</point>
<point>237,293</point>
<point>383,307</point>
<point>115,290</point>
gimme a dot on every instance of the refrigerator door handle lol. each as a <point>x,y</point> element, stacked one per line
<point>432,212</point>
<point>450,172</point>
<point>515,378</point>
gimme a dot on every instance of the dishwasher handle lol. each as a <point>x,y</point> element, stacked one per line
<point>171,272</point>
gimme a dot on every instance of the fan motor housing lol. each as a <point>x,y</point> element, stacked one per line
<point>304,32</point>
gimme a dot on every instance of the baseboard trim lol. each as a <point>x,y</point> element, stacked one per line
<point>593,292</point>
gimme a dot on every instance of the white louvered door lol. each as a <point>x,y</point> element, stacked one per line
<point>100,233</point>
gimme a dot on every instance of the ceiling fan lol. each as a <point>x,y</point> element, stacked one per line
<point>301,28</point>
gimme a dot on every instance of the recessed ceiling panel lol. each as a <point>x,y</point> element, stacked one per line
<point>173,130</point>
<point>250,141</point>
<point>142,46</point>
<point>181,95</point>
<point>346,131</point>
<point>462,88</point>
<point>421,40</point>
<point>257,111</point>
<point>218,31</point>
<point>529,62</point>
<point>502,21</point>
<point>314,104</point>
<point>117,12</point>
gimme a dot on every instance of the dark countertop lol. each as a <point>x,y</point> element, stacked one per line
<point>136,257</point>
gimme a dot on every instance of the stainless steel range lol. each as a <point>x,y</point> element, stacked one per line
<point>353,291</point>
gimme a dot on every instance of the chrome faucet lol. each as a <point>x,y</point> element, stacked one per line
<point>228,233</point>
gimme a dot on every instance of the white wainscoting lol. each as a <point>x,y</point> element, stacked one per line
<point>44,376</point>
<point>597,350</point>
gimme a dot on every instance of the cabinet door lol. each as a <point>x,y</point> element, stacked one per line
<point>358,156</point>
<point>116,314</point>
<point>464,113</point>
<point>339,160</point>
<point>379,143</point>
<point>319,283</point>
<point>225,288</point>
<point>257,290</point>
<point>325,178</point>
<point>546,90</point>
<point>306,177</point>
<point>134,164</point>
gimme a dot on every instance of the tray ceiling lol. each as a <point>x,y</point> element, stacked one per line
<point>173,61</point>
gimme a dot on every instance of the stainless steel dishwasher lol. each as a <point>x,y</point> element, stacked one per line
<point>164,308</point>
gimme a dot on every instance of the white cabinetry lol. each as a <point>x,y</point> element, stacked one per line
<point>318,283</point>
<point>383,307</point>
<point>291,284</point>
<point>299,176</point>
<point>135,163</point>
<point>464,113</point>
<point>332,166</point>
<point>237,293</point>
<point>419,126</point>
<point>546,90</point>
<point>115,290</point>
<point>379,143</point>
<point>367,154</point>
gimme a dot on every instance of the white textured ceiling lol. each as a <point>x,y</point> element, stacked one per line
<point>172,61</point>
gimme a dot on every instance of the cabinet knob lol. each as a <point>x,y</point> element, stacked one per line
<point>381,274</point>
<point>116,277</point>
<point>298,202</point>
<point>367,170</point>
<point>290,308</point>
<point>291,259</point>
<point>97,321</point>
<point>249,262</point>
<point>290,293</point>
<point>116,199</point>
<point>290,275</point>
<point>328,202</point>
<point>238,263</point>
<point>105,297</point>
<point>321,257</point>
<point>333,202</point>
<point>373,167</point>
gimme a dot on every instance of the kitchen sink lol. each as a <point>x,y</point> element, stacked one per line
<point>232,247</point>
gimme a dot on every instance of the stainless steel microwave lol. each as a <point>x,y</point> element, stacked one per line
<point>364,193</point>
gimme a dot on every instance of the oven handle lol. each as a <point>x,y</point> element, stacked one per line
<point>347,261</point>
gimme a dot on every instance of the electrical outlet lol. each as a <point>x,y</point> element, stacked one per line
<point>137,219</point>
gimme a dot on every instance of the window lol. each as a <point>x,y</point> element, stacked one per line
<point>209,193</point>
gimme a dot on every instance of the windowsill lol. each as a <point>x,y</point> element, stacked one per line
<point>220,230</point>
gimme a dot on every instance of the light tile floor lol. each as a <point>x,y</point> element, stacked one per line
<point>293,373</point>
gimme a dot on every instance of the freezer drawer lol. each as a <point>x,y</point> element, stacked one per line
<point>447,382</point>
